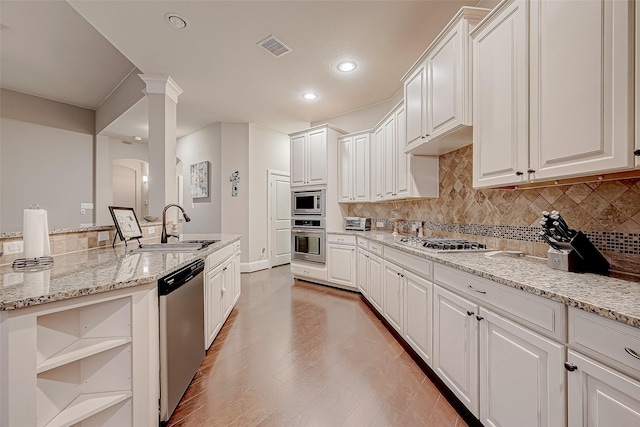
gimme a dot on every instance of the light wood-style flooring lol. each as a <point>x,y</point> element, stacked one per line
<point>294,353</point>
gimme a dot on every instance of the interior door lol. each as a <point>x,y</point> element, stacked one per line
<point>279,218</point>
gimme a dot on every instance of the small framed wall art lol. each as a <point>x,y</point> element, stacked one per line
<point>200,180</point>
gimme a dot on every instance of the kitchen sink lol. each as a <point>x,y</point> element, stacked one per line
<point>182,246</point>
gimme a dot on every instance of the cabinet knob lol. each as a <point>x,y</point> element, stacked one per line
<point>428,135</point>
<point>530,171</point>
<point>470,313</point>
<point>636,153</point>
<point>570,366</point>
<point>519,173</point>
<point>479,318</point>
<point>423,137</point>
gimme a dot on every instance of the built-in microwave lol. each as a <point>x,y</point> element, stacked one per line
<point>309,202</point>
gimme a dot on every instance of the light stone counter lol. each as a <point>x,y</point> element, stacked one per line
<point>606,296</point>
<point>94,271</point>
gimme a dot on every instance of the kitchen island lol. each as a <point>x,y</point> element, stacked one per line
<point>79,341</point>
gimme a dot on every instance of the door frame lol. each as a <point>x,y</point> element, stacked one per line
<point>271,173</point>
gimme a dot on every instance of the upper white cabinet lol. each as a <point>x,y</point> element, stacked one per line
<point>309,157</point>
<point>353,170</point>
<point>548,104</point>
<point>437,90</point>
<point>399,175</point>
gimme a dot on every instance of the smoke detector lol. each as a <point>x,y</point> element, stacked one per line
<point>176,21</point>
<point>274,46</point>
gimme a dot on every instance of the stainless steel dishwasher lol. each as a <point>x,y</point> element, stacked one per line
<point>181,297</point>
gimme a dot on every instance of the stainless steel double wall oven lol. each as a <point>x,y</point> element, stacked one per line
<point>308,234</point>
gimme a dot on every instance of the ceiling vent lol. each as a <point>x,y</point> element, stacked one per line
<point>274,46</point>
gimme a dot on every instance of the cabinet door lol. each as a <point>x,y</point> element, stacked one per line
<point>415,100</point>
<point>317,157</point>
<point>522,382</point>
<point>345,174</point>
<point>213,304</point>
<point>341,264</point>
<point>500,102</point>
<point>389,158</point>
<point>360,174</point>
<point>445,84</point>
<point>376,277</point>
<point>237,281</point>
<point>402,162</point>
<point>362,278</point>
<point>393,295</point>
<point>378,172</point>
<point>455,345</point>
<point>298,160</point>
<point>228,292</point>
<point>600,396</point>
<point>580,102</point>
<point>418,320</point>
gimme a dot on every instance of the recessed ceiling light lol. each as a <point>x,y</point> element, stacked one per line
<point>176,21</point>
<point>347,66</point>
<point>310,96</point>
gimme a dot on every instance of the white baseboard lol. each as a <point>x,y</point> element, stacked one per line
<point>250,267</point>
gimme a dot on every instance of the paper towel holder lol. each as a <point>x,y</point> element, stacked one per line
<point>42,263</point>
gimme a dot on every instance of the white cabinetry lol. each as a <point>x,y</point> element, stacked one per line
<point>418,315</point>
<point>490,356</point>
<point>399,175</point>
<point>85,361</point>
<point>221,289</point>
<point>370,272</point>
<point>438,89</point>
<point>549,115</point>
<point>393,307</point>
<point>309,157</point>
<point>604,371</point>
<point>341,260</point>
<point>353,171</point>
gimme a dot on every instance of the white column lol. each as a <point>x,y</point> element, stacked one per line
<point>162,99</point>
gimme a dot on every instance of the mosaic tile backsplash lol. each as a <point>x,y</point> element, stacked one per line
<point>607,212</point>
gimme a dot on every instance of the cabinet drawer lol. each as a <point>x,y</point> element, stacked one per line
<point>375,248</point>
<point>220,255</point>
<point>310,271</point>
<point>611,340</point>
<point>420,266</point>
<point>341,239</point>
<point>541,314</point>
<point>363,243</point>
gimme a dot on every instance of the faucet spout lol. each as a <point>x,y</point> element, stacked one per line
<point>164,236</point>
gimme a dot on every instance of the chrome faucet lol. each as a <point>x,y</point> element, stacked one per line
<point>164,236</point>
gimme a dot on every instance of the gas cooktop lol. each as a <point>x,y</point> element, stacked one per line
<point>442,244</point>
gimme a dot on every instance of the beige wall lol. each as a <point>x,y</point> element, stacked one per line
<point>268,150</point>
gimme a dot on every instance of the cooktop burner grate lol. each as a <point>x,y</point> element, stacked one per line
<point>442,244</point>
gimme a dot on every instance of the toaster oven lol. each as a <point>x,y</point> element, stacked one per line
<point>357,224</point>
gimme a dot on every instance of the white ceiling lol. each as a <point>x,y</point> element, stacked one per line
<point>49,51</point>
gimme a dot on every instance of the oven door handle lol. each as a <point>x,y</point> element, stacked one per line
<point>308,231</point>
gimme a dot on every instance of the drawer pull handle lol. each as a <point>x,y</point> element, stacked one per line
<point>479,318</point>
<point>470,313</point>
<point>632,352</point>
<point>477,290</point>
<point>570,366</point>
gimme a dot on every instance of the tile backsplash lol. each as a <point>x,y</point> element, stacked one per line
<point>607,212</point>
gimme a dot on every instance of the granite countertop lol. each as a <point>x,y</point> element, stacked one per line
<point>608,297</point>
<point>94,271</point>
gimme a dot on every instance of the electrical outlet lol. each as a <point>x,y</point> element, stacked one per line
<point>86,205</point>
<point>103,235</point>
<point>379,224</point>
<point>13,247</point>
<point>152,230</point>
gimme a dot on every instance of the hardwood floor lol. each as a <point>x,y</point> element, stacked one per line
<point>300,354</point>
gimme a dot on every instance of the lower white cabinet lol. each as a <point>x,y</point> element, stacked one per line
<point>521,375</point>
<point>393,307</point>
<point>600,396</point>
<point>455,345</point>
<point>370,277</point>
<point>341,260</point>
<point>221,289</point>
<point>505,374</point>
<point>418,315</point>
<point>362,279</point>
<point>83,361</point>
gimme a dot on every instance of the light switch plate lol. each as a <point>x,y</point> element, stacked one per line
<point>16,247</point>
<point>152,230</point>
<point>379,224</point>
<point>86,205</point>
<point>103,235</point>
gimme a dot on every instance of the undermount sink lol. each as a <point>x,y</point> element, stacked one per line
<point>182,246</point>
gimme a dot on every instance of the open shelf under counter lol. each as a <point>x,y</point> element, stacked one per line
<point>86,405</point>
<point>81,349</point>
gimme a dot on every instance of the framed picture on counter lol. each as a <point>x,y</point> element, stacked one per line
<point>126,222</point>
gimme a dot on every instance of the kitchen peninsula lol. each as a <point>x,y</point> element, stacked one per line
<point>79,341</point>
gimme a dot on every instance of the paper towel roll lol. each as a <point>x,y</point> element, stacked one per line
<point>35,233</point>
